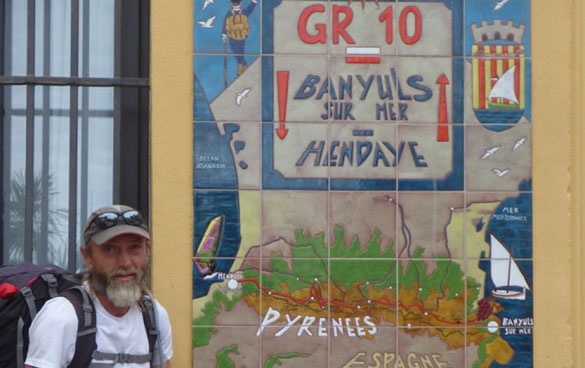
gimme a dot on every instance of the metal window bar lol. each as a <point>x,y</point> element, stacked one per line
<point>117,102</point>
<point>2,25</point>
<point>30,137</point>
<point>73,142</point>
<point>144,64</point>
<point>46,121</point>
<point>85,114</point>
<point>6,127</point>
<point>74,81</point>
<point>95,113</point>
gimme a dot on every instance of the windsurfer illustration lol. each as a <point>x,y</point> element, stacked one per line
<point>208,247</point>
<point>236,28</point>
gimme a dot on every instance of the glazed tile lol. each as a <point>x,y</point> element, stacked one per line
<point>296,346</point>
<point>507,217</point>
<point>506,347</point>
<point>431,347</point>
<point>300,27</point>
<point>500,292</point>
<point>363,290</point>
<point>431,90</point>
<point>224,346</point>
<point>295,156</point>
<point>498,87</point>
<point>225,95</point>
<point>430,157</point>
<point>241,27</point>
<point>372,235</point>
<point>213,166</point>
<point>377,347</point>
<point>225,292</point>
<point>368,91</point>
<point>479,209</point>
<point>292,289</point>
<point>360,25</point>
<point>289,229</point>
<point>362,156</point>
<point>497,23</point>
<point>217,224</point>
<point>432,221</point>
<point>498,160</point>
<point>429,28</point>
<point>299,88</point>
<point>431,292</point>
<point>217,227</point>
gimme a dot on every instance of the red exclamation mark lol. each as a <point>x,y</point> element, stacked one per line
<point>282,81</point>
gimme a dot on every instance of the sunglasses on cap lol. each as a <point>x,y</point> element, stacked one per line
<point>109,219</point>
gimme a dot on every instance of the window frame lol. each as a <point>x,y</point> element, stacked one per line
<point>131,111</point>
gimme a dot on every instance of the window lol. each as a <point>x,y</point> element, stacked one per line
<point>74,129</point>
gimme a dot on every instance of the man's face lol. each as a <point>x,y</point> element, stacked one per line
<point>118,268</point>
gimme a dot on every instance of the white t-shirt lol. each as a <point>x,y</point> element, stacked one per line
<point>53,333</point>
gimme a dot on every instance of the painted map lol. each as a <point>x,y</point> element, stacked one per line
<point>362,177</point>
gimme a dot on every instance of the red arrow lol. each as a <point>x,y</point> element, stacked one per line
<point>281,131</point>
<point>282,81</point>
<point>443,129</point>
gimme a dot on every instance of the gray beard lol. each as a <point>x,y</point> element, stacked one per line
<point>120,293</point>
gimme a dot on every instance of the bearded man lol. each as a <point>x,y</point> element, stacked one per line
<point>116,252</point>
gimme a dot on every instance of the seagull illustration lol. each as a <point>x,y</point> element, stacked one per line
<point>519,143</point>
<point>241,95</point>
<point>500,173</point>
<point>206,3</point>
<point>208,23</point>
<point>490,152</point>
<point>500,4</point>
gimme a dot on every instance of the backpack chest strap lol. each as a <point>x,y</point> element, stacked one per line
<point>119,358</point>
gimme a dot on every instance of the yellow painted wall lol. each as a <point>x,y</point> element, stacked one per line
<point>553,76</point>
<point>557,174</point>
<point>578,184</point>
<point>172,166</point>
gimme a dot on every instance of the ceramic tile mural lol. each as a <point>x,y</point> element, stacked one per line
<point>362,184</point>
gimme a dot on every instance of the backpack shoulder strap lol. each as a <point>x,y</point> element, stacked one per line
<point>147,308</point>
<point>85,344</point>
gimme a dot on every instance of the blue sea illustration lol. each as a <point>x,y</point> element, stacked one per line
<point>214,168</point>
<point>512,225</point>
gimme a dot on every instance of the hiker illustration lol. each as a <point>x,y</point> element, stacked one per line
<point>236,28</point>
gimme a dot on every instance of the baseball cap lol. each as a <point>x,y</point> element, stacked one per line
<point>110,221</point>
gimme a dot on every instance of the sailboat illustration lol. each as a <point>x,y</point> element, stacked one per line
<point>509,281</point>
<point>208,247</point>
<point>504,90</point>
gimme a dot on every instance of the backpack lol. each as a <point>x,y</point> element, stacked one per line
<point>25,288</point>
<point>237,25</point>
